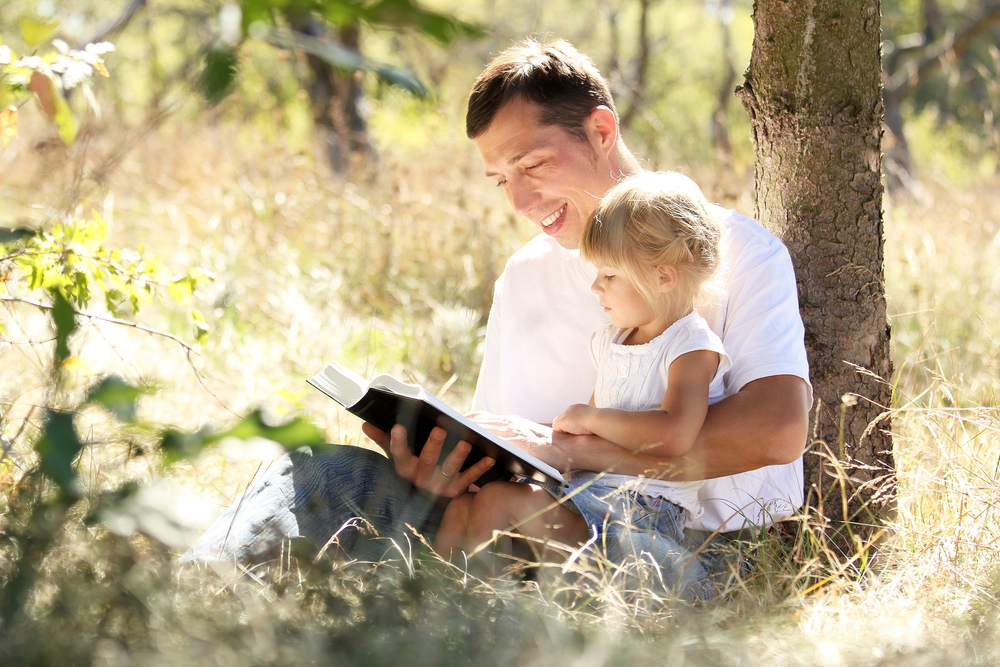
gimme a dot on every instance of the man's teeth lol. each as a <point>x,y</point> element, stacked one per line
<point>553,217</point>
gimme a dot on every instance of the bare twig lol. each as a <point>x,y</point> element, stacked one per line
<point>105,318</point>
<point>113,26</point>
<point>934,55</point>
<point>200,377</point>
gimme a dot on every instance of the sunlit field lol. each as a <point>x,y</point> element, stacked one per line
<point>390,267</point>
<point>394,273</point>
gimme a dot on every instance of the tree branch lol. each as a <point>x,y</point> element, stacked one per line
<point>900,84</point>
<point>104,318</point>
<point>115,25</point>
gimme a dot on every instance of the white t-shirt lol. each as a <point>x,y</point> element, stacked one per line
<point>536,361</point>
<point>634,378</point>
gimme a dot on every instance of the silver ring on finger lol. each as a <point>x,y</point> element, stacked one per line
<point>444,474</point>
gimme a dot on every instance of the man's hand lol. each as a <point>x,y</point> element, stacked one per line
<point>573,420</point>
<point>427,472</point>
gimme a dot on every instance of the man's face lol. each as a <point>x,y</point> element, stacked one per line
<point>549,176</point>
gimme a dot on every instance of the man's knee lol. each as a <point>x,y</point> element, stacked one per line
<point>494,507</point>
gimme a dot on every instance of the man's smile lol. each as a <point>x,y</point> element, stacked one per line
<point>553,223</point>
<point>552,217</point>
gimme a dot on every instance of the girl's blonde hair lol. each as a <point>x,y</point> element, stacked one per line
<point>654,219</point>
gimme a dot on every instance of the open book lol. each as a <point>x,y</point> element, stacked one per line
<point>386,401</point>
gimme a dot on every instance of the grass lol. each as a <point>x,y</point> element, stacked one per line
<point>393,270</point>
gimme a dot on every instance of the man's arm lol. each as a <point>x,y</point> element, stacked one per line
<point>763,424</point>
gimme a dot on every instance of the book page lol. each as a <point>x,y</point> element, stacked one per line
<point>341,384</point>
<point>396,386</point>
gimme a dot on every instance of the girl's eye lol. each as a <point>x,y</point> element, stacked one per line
<point>502,182</point>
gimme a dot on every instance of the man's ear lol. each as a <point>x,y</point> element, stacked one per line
<point>602,128</point>
<point>668,277</point>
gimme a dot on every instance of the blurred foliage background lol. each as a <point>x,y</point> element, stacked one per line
<point>297,187</point>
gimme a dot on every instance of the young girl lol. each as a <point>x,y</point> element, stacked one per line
<point>654,243</point>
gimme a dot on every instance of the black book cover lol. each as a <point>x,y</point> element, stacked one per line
<point>387,401</point>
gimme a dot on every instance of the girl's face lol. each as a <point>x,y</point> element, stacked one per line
<point>625,306</point>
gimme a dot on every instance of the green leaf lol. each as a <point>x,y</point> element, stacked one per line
<point>219,75</point>
<point>116,396</point>
<point>257,10</point>
<point>57,449</point>
<point>347,59</point>
<point>182,288</point>
<point>408,14</point>
<point>64,120</point>
<point>393,14</point>
<point>64,319</point>
<point>15,234</point>
<point>200,326</point>
<point>35,32</point>
<point>298,432</point>
<point>405,79</point>
<point>177,445</point>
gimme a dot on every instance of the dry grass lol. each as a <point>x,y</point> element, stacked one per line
<point>393,271</point>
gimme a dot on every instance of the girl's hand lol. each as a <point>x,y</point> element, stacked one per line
<point>574,420</point>
<point>529,436</point>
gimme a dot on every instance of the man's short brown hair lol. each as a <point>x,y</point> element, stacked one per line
<point>561,81</point>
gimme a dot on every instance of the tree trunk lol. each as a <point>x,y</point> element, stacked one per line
<point>335,96</point>
<point>637,88</point>
<point>813,93</point>
<point>720,136</point>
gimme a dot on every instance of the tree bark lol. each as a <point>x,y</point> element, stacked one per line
<point>813,92</point>
<point>335,96</point>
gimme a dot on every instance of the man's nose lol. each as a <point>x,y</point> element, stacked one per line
<point>521,195</point>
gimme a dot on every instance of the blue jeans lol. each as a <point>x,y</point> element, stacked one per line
<point>319,494</point>
<point>629,527</point>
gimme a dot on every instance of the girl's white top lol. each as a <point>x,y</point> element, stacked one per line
<point>538,340</point>
<point>634,378</point>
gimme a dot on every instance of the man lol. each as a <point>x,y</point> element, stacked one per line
<point>544,122</point>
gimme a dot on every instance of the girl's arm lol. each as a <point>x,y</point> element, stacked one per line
<point>669,431</point>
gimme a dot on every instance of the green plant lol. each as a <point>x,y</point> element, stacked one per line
<point>269,20</point>
<point>48,500</point>
<point>48,78</point>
